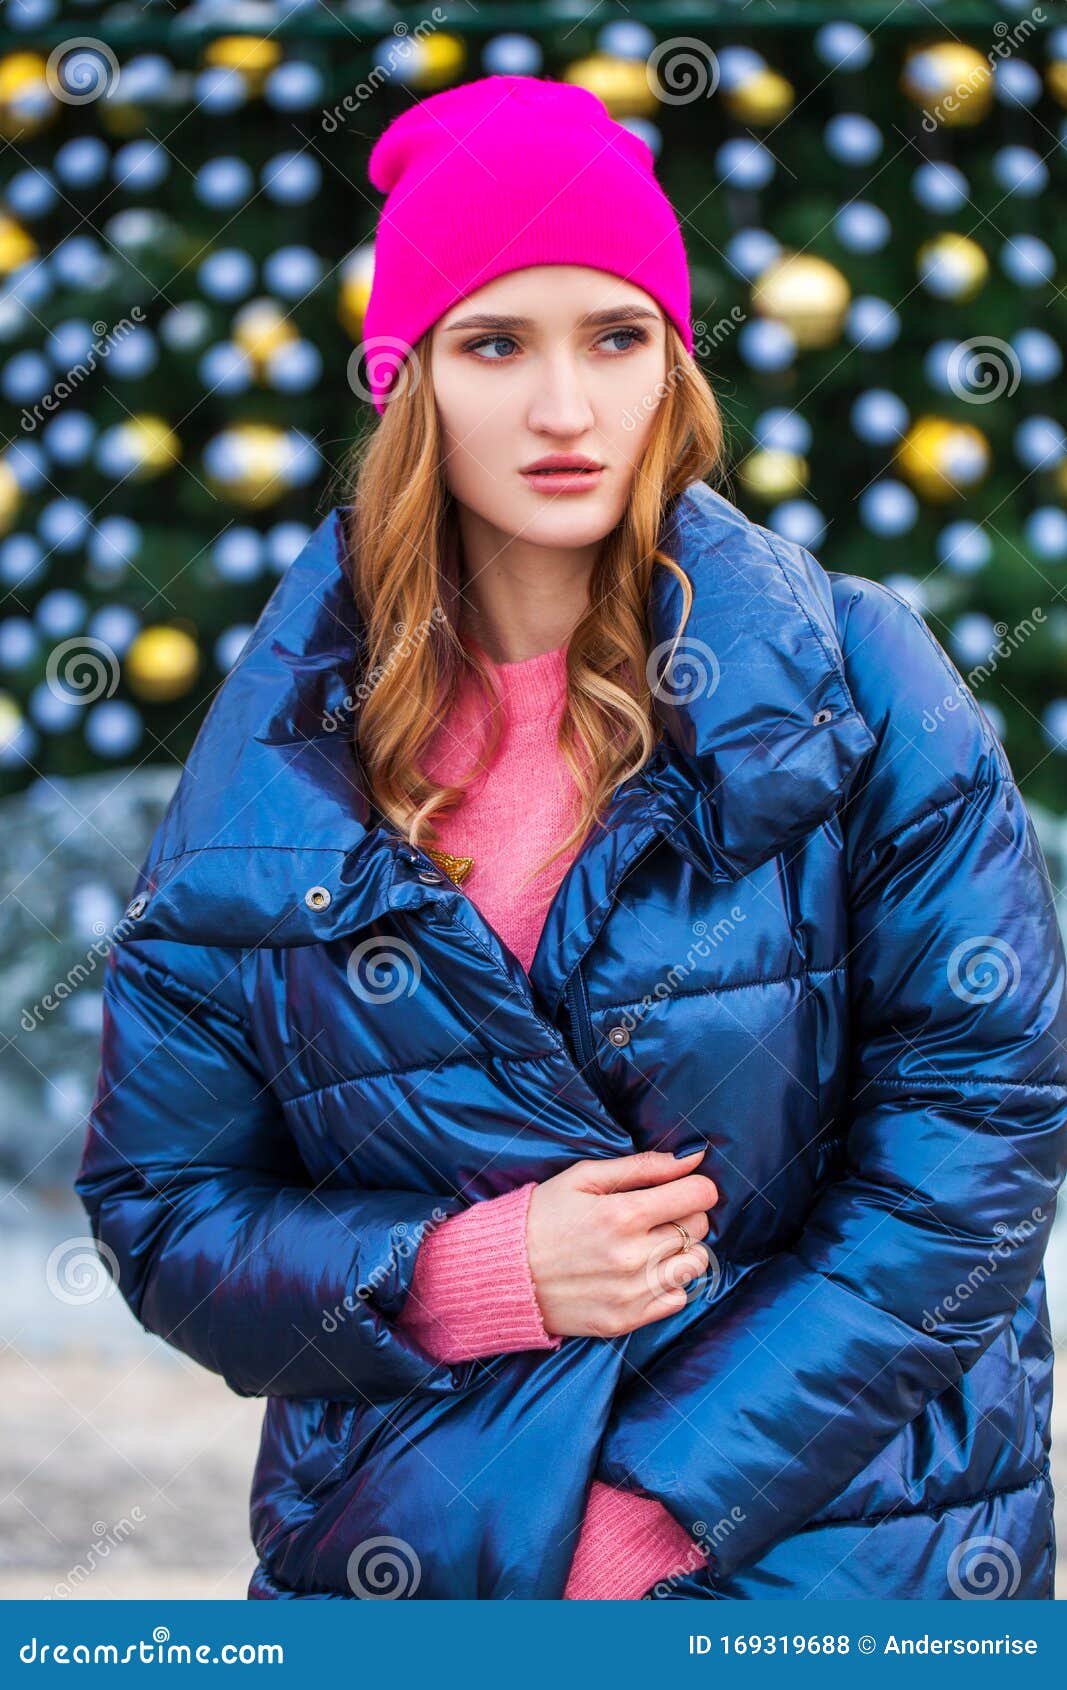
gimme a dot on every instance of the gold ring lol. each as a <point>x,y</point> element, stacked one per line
<point>686,1240</point>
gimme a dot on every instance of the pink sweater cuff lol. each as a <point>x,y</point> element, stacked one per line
<point>472,1293</point>
<point>626,1545</point>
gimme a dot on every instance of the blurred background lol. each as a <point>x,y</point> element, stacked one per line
<point>872,198</point>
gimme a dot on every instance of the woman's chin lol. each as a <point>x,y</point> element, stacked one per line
<point>559,522</point>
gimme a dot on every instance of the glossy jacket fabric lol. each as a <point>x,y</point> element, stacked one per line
<point>816,933</point>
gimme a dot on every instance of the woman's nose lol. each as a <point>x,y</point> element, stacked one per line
<point>561,405</point>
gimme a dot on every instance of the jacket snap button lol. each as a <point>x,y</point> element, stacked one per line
<point>429,874</point>
<point>619,1036</point>
<point>137,906</point>
<point>820,717</point>
<point>317,897</point>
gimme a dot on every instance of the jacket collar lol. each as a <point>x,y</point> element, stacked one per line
<point>273,804</point>
<point>764,735</point>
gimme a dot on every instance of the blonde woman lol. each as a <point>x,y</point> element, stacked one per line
<point>576,1032</point>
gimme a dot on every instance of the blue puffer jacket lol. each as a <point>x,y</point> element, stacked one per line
<point>816,933</point>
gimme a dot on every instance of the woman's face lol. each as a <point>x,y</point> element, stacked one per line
<point>554,359</point>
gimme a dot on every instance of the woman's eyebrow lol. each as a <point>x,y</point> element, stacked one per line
<point>497,320</point>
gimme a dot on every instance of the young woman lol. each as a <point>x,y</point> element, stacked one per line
<point>580,1048</point>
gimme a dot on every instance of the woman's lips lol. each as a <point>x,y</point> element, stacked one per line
<point>562,480</point>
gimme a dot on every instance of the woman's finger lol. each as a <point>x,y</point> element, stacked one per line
<point>666,1271</point>
<point>697,1224</point>
<point>655,1205</point>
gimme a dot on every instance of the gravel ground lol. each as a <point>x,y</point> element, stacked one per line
<point>123,1480</point>
<point>128,1476</point>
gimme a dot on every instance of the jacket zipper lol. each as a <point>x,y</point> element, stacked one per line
<point>582,1032</point>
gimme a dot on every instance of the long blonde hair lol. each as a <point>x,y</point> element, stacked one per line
<point>404,572</point>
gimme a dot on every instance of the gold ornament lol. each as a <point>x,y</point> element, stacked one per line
<point>623,84</point>
<point>253,57</point>
<point>16,246</point>
<point>1056,77</point>
<point>10,496</point>
<point>761,99</point>
<point>10,719</point>
<point>355,290</point>
<point>161,663</point>
<point>456,868</point>
<point>957,260</point>
<point>121,118</point>
<point>259,329</point>
<point>432,61</point>
<point>149,445</point>
<point>260,456</point>
<point>27,102</point>
<point>807,294</point>
<point>943,459</point>
<point>951,83</point>
<point>770,473</point>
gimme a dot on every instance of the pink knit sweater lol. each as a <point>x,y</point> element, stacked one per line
<point>472,1292</point>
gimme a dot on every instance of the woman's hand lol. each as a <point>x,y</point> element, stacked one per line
<point>604,1256</point>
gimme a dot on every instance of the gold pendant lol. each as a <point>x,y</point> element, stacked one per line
<point>457,868</point>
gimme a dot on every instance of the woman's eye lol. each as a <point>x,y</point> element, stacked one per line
<point>637,337</point>
<point>632,337</point>
<point>492,340</point>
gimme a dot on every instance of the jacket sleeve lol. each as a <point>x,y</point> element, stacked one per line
<point>772,1401</point>
<point>203,1210</point>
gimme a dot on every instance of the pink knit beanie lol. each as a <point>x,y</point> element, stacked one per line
<point>499,174</point>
